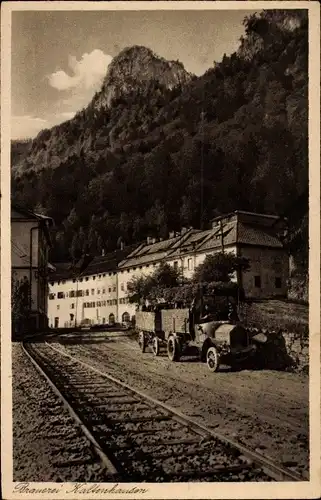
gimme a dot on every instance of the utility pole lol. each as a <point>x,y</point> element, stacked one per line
<point>202,169</point>
<point>222,236</point>
<point>76,303</point>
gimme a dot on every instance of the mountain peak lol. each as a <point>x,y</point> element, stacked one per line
<point>134,66</point>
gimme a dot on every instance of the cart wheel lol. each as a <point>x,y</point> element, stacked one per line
<point>173,350</point>
<point>142,341</point>
<point>212,359</point>
<point>155,346</point>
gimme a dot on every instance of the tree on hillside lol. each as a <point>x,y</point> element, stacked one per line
<point>144,287</point>
<point>220,267</point>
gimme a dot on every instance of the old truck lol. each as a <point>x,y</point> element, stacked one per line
<point>215,333</point>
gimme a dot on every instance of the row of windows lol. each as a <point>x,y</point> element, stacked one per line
<point>83,293</point>
<point>100,303</point>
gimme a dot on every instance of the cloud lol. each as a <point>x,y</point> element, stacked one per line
<point>87,72</point>
<point>26,126</point>
<point>85,77</point>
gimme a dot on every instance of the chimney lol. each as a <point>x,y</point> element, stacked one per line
<point>184,230</point>
<point>149,240</point>
<point>171,234</point>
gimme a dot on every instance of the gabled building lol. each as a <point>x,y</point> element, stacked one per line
<point>101,290</point>
<point>86,295</point>
<point>30,244</point>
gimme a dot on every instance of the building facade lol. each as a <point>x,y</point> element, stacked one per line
<point>30,244</point>
<point>101,290</point>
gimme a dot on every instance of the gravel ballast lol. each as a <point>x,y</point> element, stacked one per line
<point>47,444</point>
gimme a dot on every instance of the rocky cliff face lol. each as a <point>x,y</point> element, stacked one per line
<point>101,125</point>
<point>134,66</point>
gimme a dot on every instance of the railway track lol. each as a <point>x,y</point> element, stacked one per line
<point>138,438</point>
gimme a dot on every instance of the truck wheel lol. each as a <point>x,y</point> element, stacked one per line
<point>212,359</point>
<point>142,341</point>
<point>173,350</point>
<point>155,346</point>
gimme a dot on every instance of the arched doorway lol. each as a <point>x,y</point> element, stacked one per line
<point>125,317</point>
<point>111,319</point>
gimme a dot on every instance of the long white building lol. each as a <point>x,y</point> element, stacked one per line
<point>99,294</point>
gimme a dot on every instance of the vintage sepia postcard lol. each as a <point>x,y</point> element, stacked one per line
<point>160,250</point>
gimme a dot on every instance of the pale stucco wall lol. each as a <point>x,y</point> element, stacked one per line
<point>268,264</point>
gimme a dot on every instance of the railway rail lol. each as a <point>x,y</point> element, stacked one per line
<point>138,438</point>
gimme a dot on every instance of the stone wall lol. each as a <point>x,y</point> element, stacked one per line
<point>298,288</point>
<point>283,350</point>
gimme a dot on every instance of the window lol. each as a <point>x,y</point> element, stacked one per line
<point>114,288</point>
<point>58,307</point>
<point>74,281</point>
<point>104,291</point>
<point>99,276</point>
<point>104,320</point>
<point>60,295</point>
<point>81,280</point>
<point>63,282</point>
<point>58,282</point>
<point>79,293</point>
<point>103,277</point>
<point>92,291</point>
<point>122,287</point>
<point>190,264</point>
<point>257,281</point>
<point>51,296</point>
<point>109,289</point>
<point>98,303</point>
<point>72,293</point>
<point>87,292</point>
<point>93,304</point>
<point>72,306</point>
<point>278,282</point>
<point>94,277</point>
<point>175,264</point>
<point>87,278</point>
<point>98,291</point>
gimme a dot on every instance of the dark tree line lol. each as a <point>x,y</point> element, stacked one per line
<point>159,158</point>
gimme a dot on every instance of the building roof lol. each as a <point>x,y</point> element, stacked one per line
<point>88,265</point>
<point>257,236</point>
<point>146,253</point>
<point>108,262</point>
<point>238,228</point>
<point>27,214</point>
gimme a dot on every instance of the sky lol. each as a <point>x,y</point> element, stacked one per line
<point>60,58</point>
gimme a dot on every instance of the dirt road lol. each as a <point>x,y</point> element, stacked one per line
<point>263,409</point>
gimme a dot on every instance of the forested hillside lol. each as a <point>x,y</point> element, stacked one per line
<point>158,148</point>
